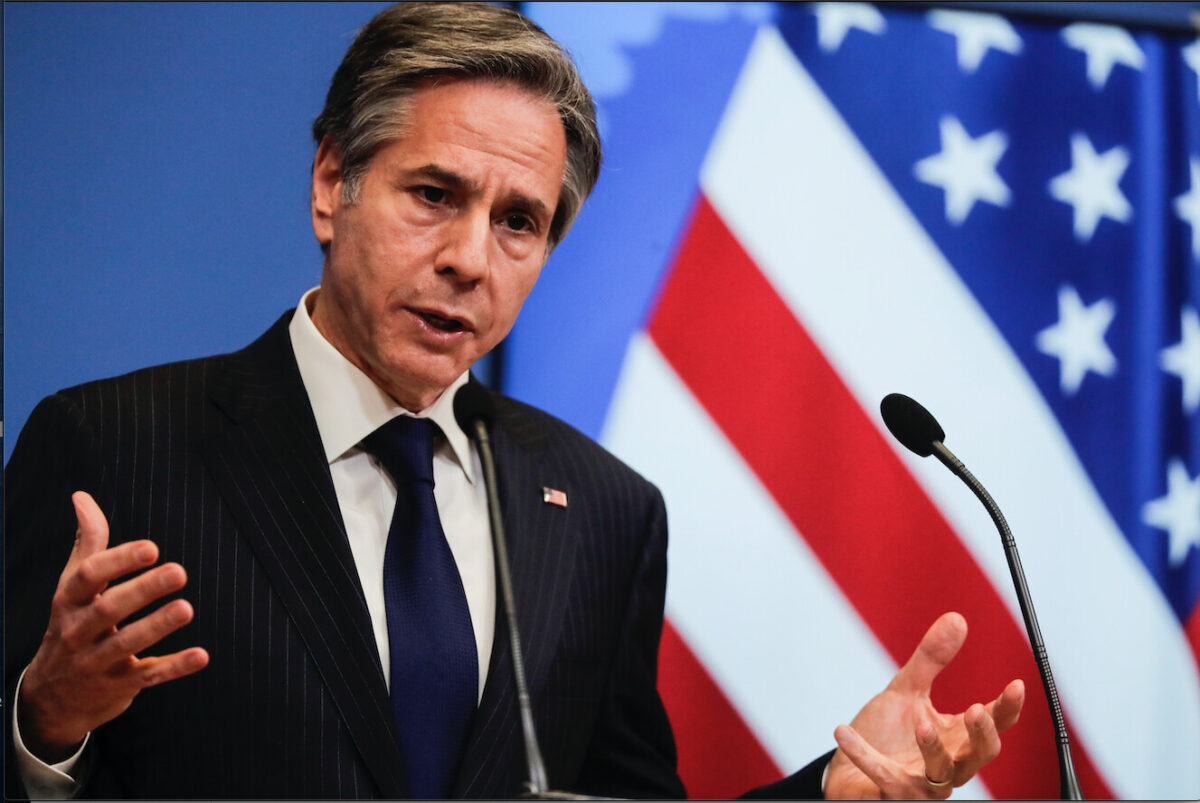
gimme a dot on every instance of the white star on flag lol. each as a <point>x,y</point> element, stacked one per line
<point>965,169</point>
<point>976,33</point>
<point>834,21</point>
<point>1187,206</point>
<point>1091,186</point>
<point>1178,512</point>
<point>1077,340</point>
<point>1183,359</point>
<point>1191,56</point>
<point>1104,46</point>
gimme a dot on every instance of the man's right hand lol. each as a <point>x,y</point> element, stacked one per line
<point>86,671</point>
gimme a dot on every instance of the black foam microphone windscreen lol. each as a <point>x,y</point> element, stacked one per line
<point>473,403</point>
<point>912,424</point>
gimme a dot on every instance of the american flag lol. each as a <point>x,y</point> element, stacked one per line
<point>807,207</point>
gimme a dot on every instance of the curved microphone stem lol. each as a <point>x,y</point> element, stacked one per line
<point>537,784</point>
<point>1068,782</point>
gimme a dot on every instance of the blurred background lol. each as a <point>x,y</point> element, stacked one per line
<point>991,207</point>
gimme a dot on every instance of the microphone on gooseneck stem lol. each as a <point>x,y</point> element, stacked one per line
<point>475,411</point>
<point>920,432</point>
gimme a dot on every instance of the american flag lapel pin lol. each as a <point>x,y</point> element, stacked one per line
<point>552,496</point>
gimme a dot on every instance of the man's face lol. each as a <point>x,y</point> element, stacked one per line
<point>427,271</point>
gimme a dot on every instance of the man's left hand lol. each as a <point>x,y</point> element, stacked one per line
<point>900,746</point>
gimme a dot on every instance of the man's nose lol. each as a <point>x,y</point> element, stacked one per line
<point>464,253</point>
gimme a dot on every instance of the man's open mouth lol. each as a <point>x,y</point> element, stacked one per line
<point>443,324</point>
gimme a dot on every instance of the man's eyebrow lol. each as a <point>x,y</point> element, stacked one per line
<point>443,176</point>
<point>449,178</point>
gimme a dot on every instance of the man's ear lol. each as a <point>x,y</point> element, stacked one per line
<point>326,189</point>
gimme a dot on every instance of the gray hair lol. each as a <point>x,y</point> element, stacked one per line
<point>408,45</point>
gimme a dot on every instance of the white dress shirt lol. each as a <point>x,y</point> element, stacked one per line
<point>348,406</point>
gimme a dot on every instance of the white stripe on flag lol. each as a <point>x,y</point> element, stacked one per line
<point>891,314</point>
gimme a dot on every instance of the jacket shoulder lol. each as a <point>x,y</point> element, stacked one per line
<point>147,393</point>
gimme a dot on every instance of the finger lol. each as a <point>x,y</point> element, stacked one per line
<point>160,669</point>
<point>123,600</point>
<point>145,632</point>
<point>91,575</point>
<point>938,647</point>
<point>984,740</point>
<point>939,764</point>
<point>91,535</point>
<point>881,770</point>
<point>1006,708</point>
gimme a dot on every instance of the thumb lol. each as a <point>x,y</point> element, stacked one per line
<point>91,536</point>
<point>938,647</point>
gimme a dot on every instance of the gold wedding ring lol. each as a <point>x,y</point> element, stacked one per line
<point>933,783</point>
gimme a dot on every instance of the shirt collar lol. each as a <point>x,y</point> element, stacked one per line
<point>349,406</point>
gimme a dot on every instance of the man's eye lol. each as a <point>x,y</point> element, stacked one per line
<point>434,195</point>
<point>518,223</point>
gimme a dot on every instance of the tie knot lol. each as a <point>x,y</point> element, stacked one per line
<point>405,447</point>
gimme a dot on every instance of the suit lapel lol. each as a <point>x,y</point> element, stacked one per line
<point>268,462</point>
<point>541,545</point>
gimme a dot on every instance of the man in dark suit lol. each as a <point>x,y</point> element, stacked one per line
<point>248,494</point>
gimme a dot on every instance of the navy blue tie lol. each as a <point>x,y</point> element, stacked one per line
<point>434,663</point>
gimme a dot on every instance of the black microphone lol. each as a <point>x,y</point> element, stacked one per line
<point>475,411</point>
<point>920,432</point>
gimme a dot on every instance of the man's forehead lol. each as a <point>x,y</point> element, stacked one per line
<point>461,132</point>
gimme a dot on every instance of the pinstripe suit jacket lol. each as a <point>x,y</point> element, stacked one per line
<point>219,461</point>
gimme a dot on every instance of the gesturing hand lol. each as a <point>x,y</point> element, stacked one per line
<point>900,746</point>
<point>86,670</point>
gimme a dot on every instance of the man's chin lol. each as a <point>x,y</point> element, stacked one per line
<point>417,388</point>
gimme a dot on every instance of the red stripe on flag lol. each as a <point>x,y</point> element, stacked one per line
<point>1192,628</point>
<point>719,755</point>
<point>750,363</point>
